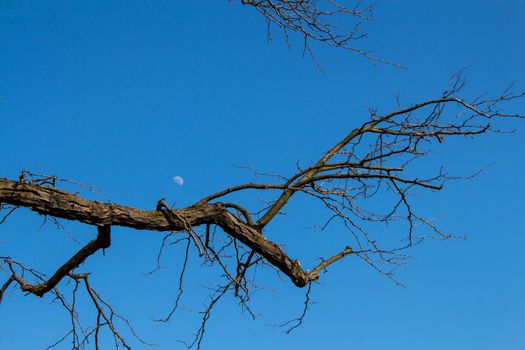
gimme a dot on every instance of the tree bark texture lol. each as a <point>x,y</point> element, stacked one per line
<point>47,200</point>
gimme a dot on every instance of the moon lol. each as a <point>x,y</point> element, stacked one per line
<point>178,180</point>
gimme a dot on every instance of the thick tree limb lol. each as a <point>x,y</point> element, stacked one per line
<point>51,201</point>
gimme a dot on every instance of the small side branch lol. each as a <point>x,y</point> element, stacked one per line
<point>314,274</point>
<point>5,286</point>
<point>297,322</point>
<point>102,241</point>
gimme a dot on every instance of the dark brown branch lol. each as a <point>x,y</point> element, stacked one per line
<point>54,202</point>
<point>5,286</point>
<point>314,274</point>
<point>285,196</point>
<point>298,321</point>
<point>242,210</point>
<point>375,176</point>
<point>102,241</point>
<point>51,201</point>
<point>247,186</point>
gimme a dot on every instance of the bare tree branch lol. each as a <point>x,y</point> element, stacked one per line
<point>374,159</point>
<point>324,21</point>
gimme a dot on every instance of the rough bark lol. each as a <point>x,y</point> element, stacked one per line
<point>51,201</point>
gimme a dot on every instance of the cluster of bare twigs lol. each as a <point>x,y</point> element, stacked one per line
<point>80,336</point>
<point>374,161</point>
<point>332,23</point>
<point>232,258</point>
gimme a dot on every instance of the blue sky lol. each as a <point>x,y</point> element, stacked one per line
<point>123,96</point>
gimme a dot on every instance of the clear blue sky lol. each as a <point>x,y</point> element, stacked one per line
<point>124,95</point>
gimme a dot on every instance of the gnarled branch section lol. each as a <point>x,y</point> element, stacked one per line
<point>51,201</point>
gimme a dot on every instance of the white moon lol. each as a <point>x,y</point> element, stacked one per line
<point>178,180</point>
